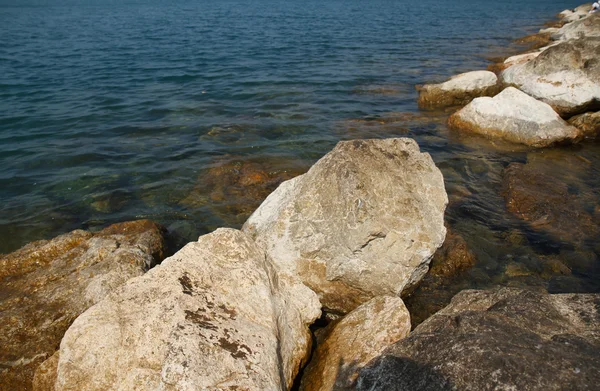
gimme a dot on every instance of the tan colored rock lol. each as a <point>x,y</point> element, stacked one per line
<point>453,257</point>
<point>459,90</point>
<point>566,76</point>
<point>216,315</point>
<point>587,123</point>
<point>586,26</point>
<point>358,338</point>
<point>514,116</point>
<point>47,284</point>
<point>364,221</point>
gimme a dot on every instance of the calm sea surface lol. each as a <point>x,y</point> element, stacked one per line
<point>113,111</point>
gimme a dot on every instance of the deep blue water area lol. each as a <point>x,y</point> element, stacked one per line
<point>112,111</point>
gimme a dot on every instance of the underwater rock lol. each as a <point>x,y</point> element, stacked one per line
<point>565,76</point>
<point>453,257</point>
<point>546,204</point>
<point>364,221</point>
<point>459,90</point>
<point>503,339</point>
<point>587,123</point>
<point>359,337</point>
<point>48,283</point>
<point>514,116</point>
<point>216,315</point>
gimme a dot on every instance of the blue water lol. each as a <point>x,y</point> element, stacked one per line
<point>113,111</point>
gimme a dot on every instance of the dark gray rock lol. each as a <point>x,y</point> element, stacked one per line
<point>504,339</point>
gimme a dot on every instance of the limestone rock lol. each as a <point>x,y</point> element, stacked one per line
<point>514,116</point>
<point>364,221</point>
<point>588,26</point>
<point>546,203</point>
<point>520,58</point>
<point>578,13</point>
<point>587,123</point>
<point>505,339</point>
<point>565,76</point>
<point>358,338</point>
<point>459,90</point>
<point>216,315</point>
<point>47,284</point>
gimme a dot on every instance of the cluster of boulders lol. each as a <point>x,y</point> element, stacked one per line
<point>548,96</point>
<point>358,231</point>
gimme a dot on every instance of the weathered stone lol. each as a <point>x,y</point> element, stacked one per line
<point>589,26</point>
<point>546,204</point>
<point>216,315</point>
<point>505,339</point>
<point>520,59</point>
<point>514,116</point>
<point>587,123</point>
<point>459,90</point>
<point>48,283</point>
<point>576,14</point>
<point>358,338</point>
<point>565,76</point>
<point>364,221</point>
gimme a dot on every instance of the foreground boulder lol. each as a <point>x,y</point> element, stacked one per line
<point>358,338</point>
<point>547,204</point>
<point>364,221</point>
<point>588,26</point>
<point>216,315</point>
<point>587,123</point>
<point>514,116</point>
<point>506,339</point>
<point>47,284</point>
<point>459,90</point>
<point>565,76</point>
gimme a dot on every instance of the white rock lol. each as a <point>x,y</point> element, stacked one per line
<point>514,116</point>
<point>364,221</point>
<point>459,90</point>
<point>586,26</point>
<point>216,315</point>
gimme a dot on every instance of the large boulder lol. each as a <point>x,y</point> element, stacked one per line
<point>364,221</point>
<point>514,116</point>
<point>216,315</point>
<point>459,90</point>
<point>587,26</point>
<point>49,283</point>
<point>506,339</point>
<point>358,338</point>
<point>576,14</point>
<point>566,76</point>
<point>587,123</point>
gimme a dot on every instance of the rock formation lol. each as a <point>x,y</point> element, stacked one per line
<point>364,221</point>
<point>47,284</point>
<point>459,90</point>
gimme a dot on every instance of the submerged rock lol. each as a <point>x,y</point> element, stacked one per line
<point>453,257</point>
<point>587,123</point>
<point>359,337</point>
<point>459,90</point>
<point>216,315</point>
<point>505,339</point>
<point>47,284</point>
<point>547,204</point>
<point>565,76</point>
<point>514,116</point>
<point>364,221</point>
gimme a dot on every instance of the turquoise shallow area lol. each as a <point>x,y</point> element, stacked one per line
<point>113,111</point>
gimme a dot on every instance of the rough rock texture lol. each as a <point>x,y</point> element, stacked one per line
<point>364,221</point>
<point>47,284</point>
<point>547,204</point>
<point>459,90</point>
<point>358,338</point>
<point>506,339</point>
<point>514,116</point>
<point>520,58</point>
<point>587,123</point>
<point>586,27</point>
<point>566,76</point>
<point>574,15</point>
<point>453,257</point>
<point>216,315</point>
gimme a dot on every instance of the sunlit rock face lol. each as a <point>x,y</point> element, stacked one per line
<point>364,221</point>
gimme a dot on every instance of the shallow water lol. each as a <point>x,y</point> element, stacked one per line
<point>112,112</point>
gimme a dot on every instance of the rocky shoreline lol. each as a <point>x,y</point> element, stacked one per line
<point>344,242</point>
